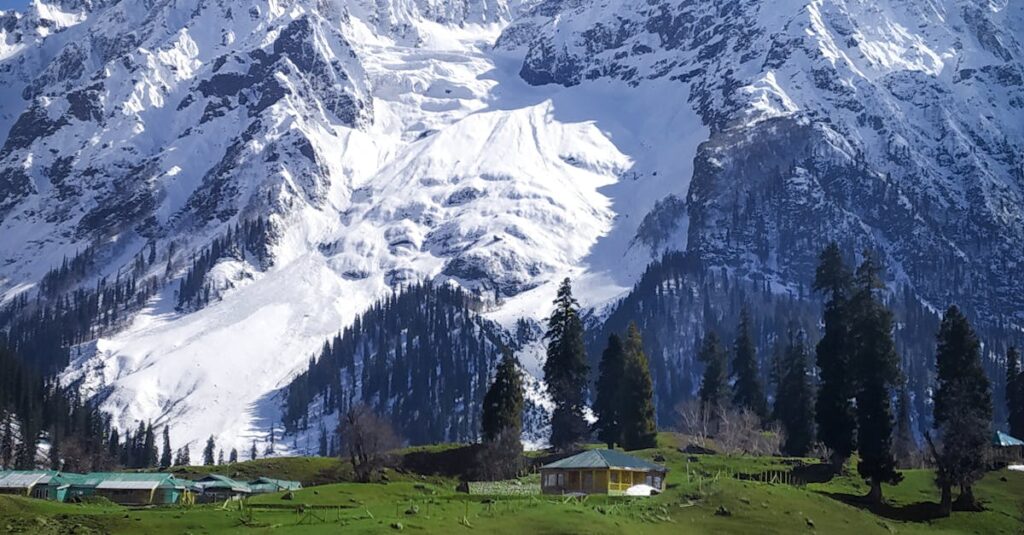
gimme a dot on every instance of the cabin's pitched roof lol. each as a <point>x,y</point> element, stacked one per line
<point>24,479</point>
<point>126,481</point>
<point>217,481</point>
<point>1004,440</point>
<point>604,459</point>
<point>282,484</point>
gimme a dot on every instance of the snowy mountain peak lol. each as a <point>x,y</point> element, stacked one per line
<point>255,175</point>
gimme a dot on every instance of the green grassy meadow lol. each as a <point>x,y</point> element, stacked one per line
<point>703,497</point>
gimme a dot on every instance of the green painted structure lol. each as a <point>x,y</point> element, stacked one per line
<point>265,485</point>
<point>215,487</point>
<point>27,482</point>
<point>134,488</point>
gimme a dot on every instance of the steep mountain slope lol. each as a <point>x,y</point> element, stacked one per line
<point>892,125</point>
<point>496,145</point>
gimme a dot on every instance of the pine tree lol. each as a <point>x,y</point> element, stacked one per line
<point>834,414</point>
<point>877,370</point>
<point>322,451</point>
<point>962,412</point>
<point>252,452</point>
<point>114,444</point>
<point>794,402</point>
<point>608,402</point>
<point>208,452</point>
<point>906,446</point>
<point>748,392</point>
<point>565,370</point>
<point>7,443</point>
<point>149,454</point>
<point>636,416</point>
<point>714,385</point>
<point>220,457</point>
<point>165,457</point>
<point>503,402</point>
<point>1014,393</point>
<point>269,451</point>
<point>233,457</point>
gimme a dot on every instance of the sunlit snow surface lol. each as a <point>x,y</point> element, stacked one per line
<point>463,160</point>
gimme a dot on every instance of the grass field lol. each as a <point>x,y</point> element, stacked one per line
<point>703,497</point>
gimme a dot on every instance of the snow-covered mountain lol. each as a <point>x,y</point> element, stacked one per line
<point>499,145</point>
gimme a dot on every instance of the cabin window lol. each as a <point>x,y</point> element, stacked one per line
<point>588,480</point>
<point>560,480</point>
<point>615,476</point>
<point>551,480</point>
<point>39,493</point>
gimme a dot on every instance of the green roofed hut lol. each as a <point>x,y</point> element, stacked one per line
<point>265,485</point>
<point>602,472</point>
<point>1007,449</point>
<point>130,488</point>
<point>27,482</point>
<point>215,487</point>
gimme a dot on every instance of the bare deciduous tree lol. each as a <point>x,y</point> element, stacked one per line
<point>740,432</point>
<point>695,420</point>
<point>366,439</point>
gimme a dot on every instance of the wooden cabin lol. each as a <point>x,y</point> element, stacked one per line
<point>1007,449</point>
<point>27,482</point>
<point>600,472</point>
<point>265,485</point>
<point>130,488</point>
<point>215,488</point>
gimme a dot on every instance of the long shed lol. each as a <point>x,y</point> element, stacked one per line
<point>27,482</point>
<point>131,488</point>
<point>600,472</point>
<point>215,487</point>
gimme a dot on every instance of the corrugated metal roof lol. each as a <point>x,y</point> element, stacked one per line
<point>604,459</point>
<point>127,485</point>
<point>282,484</point>
<point>23,479</point>
<point>127,481</point>
<point>1004,440</point>
<point>217,481</point>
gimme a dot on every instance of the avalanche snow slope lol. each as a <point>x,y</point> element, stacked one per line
<point>487,182</point>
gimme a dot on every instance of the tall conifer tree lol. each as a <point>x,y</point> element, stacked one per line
<point>503,402</point>
<point>608,402</point>
<point>636,416</point>
<point>209,451</point>
<point>1014,393</point>
<point>714,385</point>
<point>565,370</point>
<point>748,393</point>
<point>794,402</point>
<point>165,456</point>
<point>877,370</point>
<point>834,414</point>
<point>963,410</point>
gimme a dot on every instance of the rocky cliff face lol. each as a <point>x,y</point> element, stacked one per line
<point>895,126</point>
<point>498,145</point>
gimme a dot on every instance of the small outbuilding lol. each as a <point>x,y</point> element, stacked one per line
<point>215,487</point>
<point>264,485</point>
<point>130,488</point>
<point>1007,449</point>
<point>27,482</point>
<point>601,472</point>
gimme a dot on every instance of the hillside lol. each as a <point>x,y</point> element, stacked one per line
<point>701,488</point>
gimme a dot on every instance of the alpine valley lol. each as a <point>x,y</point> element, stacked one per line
<point>235,216</point>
